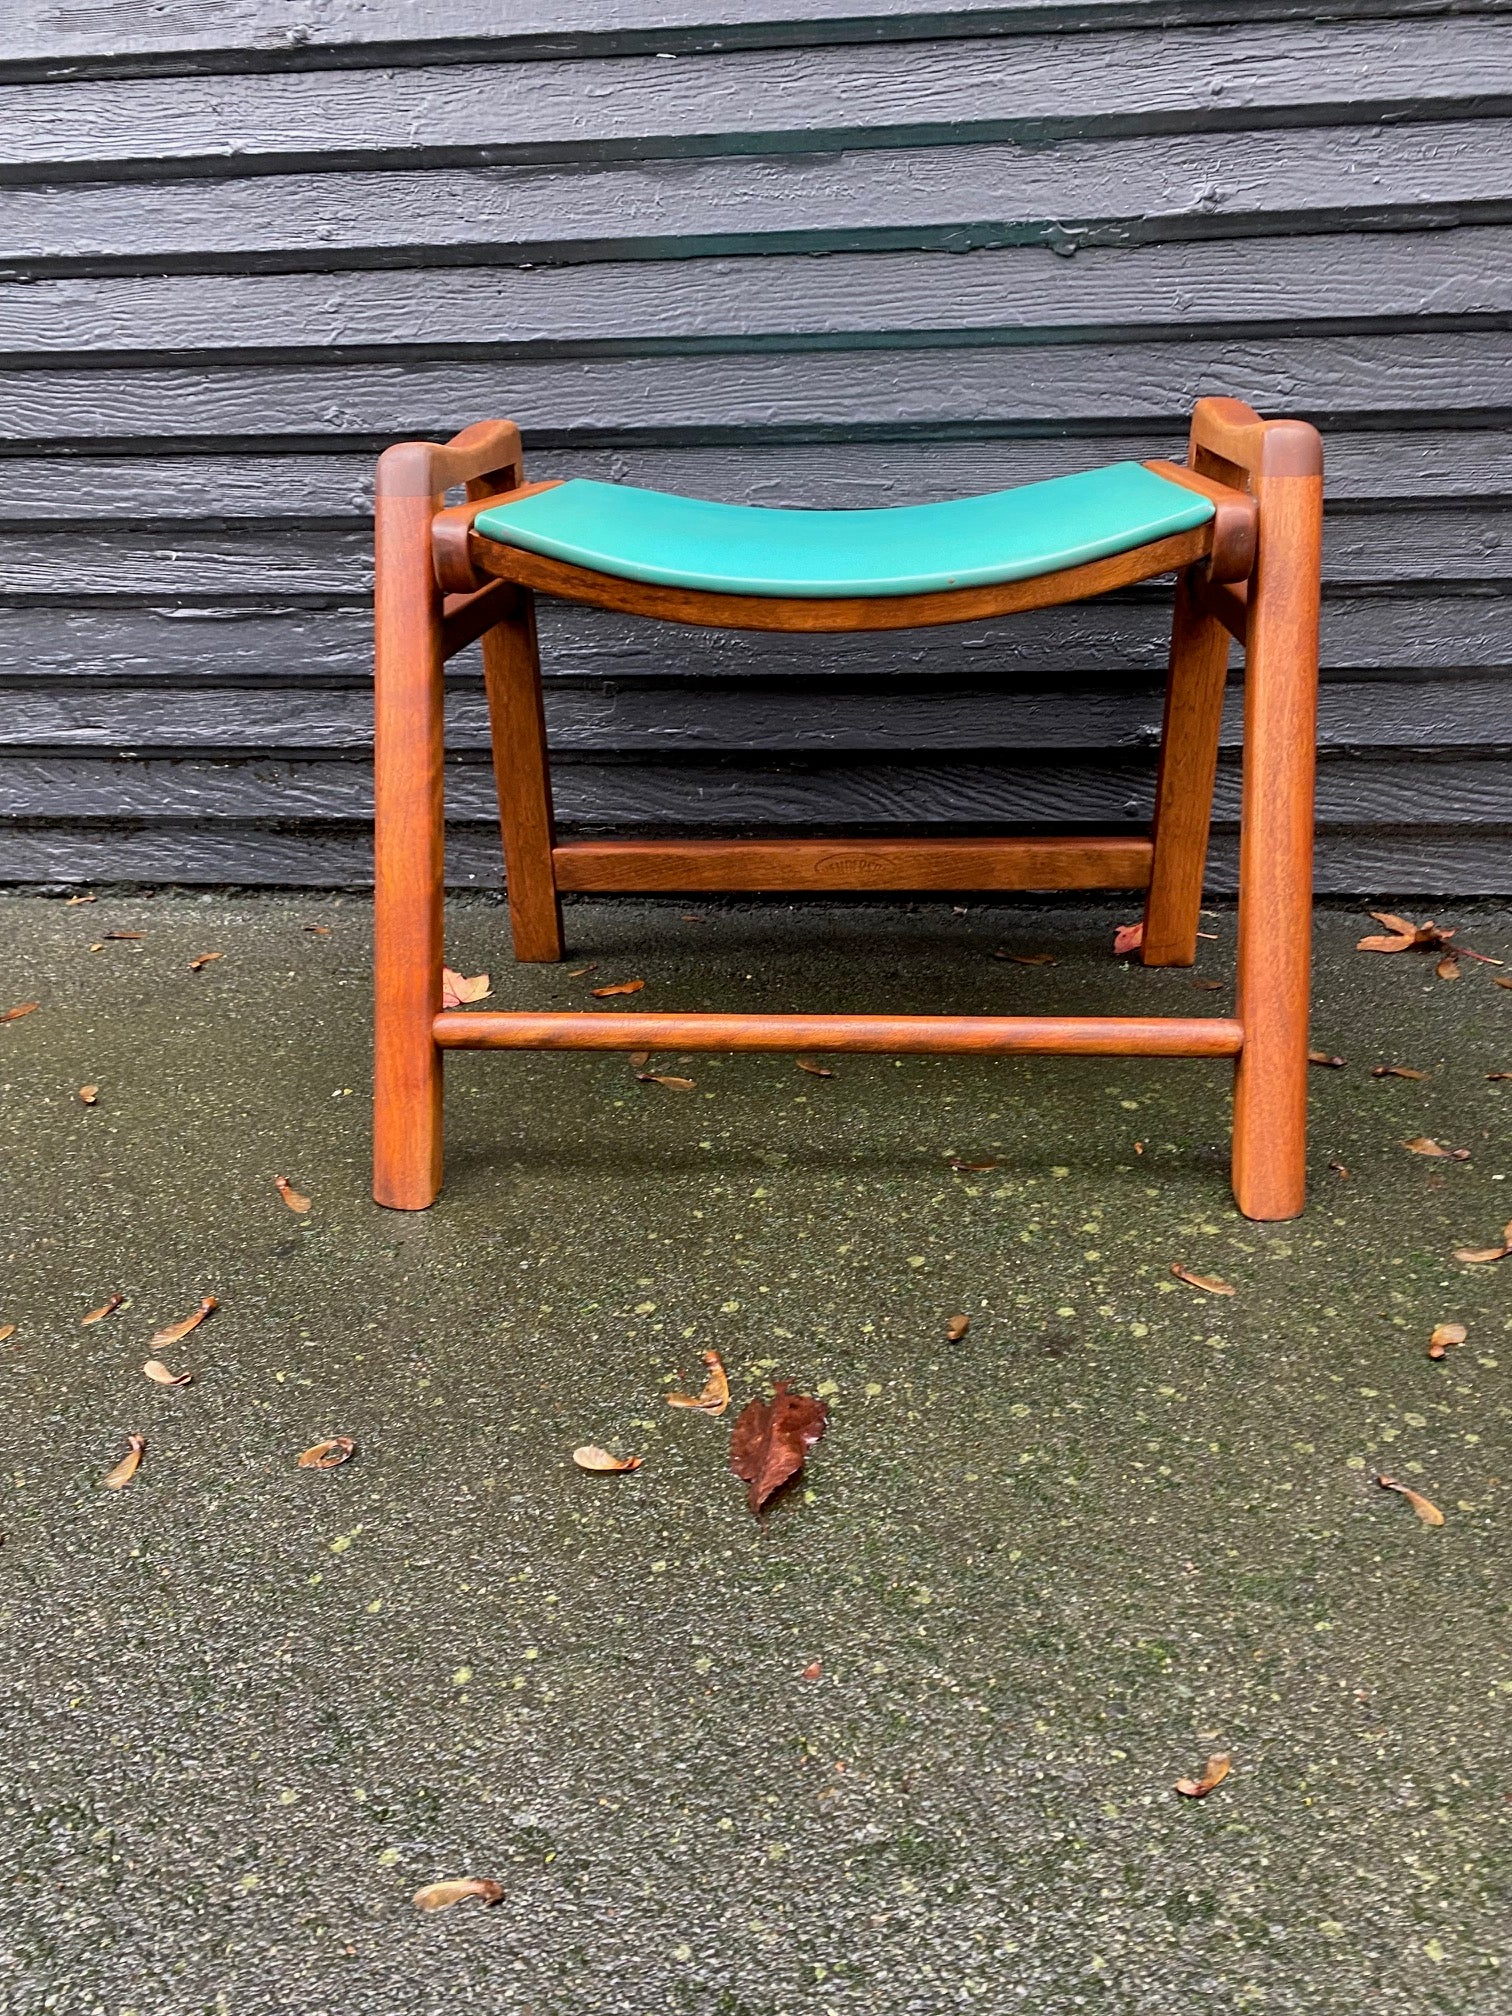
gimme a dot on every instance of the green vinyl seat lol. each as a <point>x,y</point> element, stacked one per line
<point>914,549</point>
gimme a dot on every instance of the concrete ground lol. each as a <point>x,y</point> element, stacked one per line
<point>248,1709</point>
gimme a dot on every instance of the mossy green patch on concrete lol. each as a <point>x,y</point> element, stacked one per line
<point>1048,1569</point>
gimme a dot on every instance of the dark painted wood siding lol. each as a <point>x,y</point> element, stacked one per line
<point>783,251</point>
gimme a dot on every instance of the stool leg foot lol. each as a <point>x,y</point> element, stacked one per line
<point>522,772</point>
<point>1184,788</point>
<point>408,852</point>
<point>1275,850</point>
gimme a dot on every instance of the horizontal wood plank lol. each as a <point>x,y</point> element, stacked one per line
<point>1028,89</point>
<point>768,865</point>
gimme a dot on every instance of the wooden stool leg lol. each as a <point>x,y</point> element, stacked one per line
<point>1275,849</point>
<point>1184,787</point>
<point>522,771</point>
<point>408,837</point>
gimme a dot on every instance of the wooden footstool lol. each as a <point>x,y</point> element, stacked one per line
<point>1239,526</point>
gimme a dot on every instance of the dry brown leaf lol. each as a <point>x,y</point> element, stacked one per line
<point>1445,1337</point>
<point>21,1008</point>
<point>813,1070</point>
<point>1213,1774</point>
<point>291,1196</point>
<point>1476,1254</point>
<point>1448,967</point>
<point>1497,1077</point>
<point>107,1308</point>
<point>7,1330</point>
<point>1425,1508</point>
<point>590,1457</point>
<point>1395,1071</point>
<point>1322,1057</point>
<point>1208,986</point>
<point>1405,936</point>
<point>1128,938</point>
<point>1340,1171</point>
<point>318,930</point>
<point>81,899</point>
<point>89,1095</point>
<point>772,1438</point>
<point>639,1057</point>
<point>130,1463</point>
<point>159,1374</point>
<point>813,1671</point>
<point>441,1896</point>
<point>124,936</point>
<point>1209,1282</point>
<point>1424,1144</point>
<point>964,1168</point>
<point>203,959</point>
<point>578,971</point>
<point>618,987</point>
<point>458,990</point>
<point>1501,980</point>
<point>715,1396</point>
<point>956,1328</point>
<point>172,1332</point>
<point>327,1455</point>
<point>1029,958</point>
<point>662,1078</point>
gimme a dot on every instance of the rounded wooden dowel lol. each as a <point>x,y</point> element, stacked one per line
<point>924,1035</point>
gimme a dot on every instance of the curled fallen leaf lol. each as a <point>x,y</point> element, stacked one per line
<point>1424,1144</point>
<point>772,1438</point>
<point>618,987</point>
<point>813,1671</point>
<point>441,1896</point>
<point>1208,986</point>
<point>319,930</point>
<point>964,1168</point>
<point>203,959</point>
<point>664,1079</point>
<point>1209,1282</point>
<point>130,1463</point>
<point>172,1332</point>
<point>1475,1255</point>
<point>578,971</point>
<point>1448,968</point>
<point>327,1455</point>
<point>1499,1077</point>
<point>639,1057</point>
<point>291,1196</point>
<point>1425,1508</point>
<point>1445,1337</point>
<point>813,1070</point>
<point>956,1328</point>
<point>21,1008</point>
<point>458,990</point>
<point>1032,958</point>
<point>1395,1071</point>
<point>1404,935</point>
<point>1340,1171</point>
<point>1213,1774</point>
<point>1322,1057</point>
<point>715,1396</point>
<point>1501,980</point>
<point>125,937</point>
<point>89,1095</point>
<point>159,1374</point>
<point>1128,938</point>
<point>7,1330</point>
<point>591,1457</point>
<point>107,1308</point>
<point>89,898</point>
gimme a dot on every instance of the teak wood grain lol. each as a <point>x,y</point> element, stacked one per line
<point>1252,572</point>
<point>913,1035</point>
<point>770,866</point>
